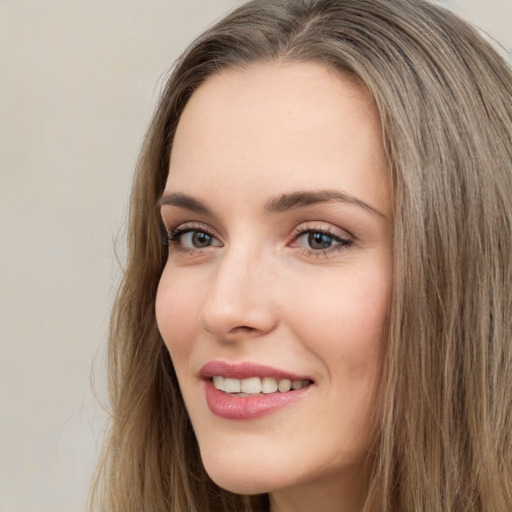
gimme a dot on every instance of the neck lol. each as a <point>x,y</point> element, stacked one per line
<point>324,496</point>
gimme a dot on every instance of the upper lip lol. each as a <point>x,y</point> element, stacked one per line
<point>245,370</point>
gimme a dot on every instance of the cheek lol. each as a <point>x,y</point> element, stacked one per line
<point>176,315</point>
<point>355,306</point>
<point>346,327</point>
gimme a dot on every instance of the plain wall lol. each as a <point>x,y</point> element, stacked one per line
<point>78,84</point>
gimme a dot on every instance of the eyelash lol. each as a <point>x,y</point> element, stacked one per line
<point>174,239</point>
<point>174,236</point>
<point>342,243</point>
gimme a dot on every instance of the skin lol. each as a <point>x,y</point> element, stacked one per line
<point>259,291</point>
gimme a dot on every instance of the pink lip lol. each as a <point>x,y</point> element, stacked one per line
<point>233,407</point>
<point>245,370</point>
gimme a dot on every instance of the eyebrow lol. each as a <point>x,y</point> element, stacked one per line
<point>183,201</point>
<point>306,198</point>
<point>279,204</point>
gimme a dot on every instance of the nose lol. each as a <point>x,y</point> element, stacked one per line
<point>238,304</point>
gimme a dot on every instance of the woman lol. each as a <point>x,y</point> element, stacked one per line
<point>316,312</point>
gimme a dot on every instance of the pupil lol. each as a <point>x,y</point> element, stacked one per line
<point>200,239</point>
<point>319,241</point>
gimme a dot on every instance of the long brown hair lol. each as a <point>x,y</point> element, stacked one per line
<point>445,102</point>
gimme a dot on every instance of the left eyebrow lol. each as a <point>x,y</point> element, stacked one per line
<point>299,199</point>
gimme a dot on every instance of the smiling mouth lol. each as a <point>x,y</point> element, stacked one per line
<point>254,386</point>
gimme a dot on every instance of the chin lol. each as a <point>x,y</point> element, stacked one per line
<point>239,486</point>
<point>238,482</point>
<point>241,476</point>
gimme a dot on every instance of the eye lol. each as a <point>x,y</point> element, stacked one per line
<point>188,238</point>
<point>196,239</point>
<point>319,241</point>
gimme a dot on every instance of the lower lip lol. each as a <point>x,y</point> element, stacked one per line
<point>251,407</point>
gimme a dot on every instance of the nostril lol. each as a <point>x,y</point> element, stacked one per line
<point>242,329</point>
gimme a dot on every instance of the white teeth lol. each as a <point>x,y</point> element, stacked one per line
<point>231,385</point>
<point>218,382</point>
<point>256,385</point>
<point>251,385</point>
<point>268,385</point>
<point>284,385</point>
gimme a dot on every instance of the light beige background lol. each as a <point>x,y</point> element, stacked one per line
<point>78,82</point>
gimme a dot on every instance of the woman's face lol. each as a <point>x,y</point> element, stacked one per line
<point>279,274</point>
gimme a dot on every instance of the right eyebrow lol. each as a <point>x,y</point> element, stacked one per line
<point>183,201</point>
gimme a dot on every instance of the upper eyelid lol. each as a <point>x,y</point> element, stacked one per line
<point>300,229</point>
<point>173,215</point>
<point>324,227</point>
<point>192,225</point>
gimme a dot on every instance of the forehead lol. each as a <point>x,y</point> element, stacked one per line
<point>280,125</point>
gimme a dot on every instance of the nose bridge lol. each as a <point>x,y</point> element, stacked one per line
<point>238,300</point>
